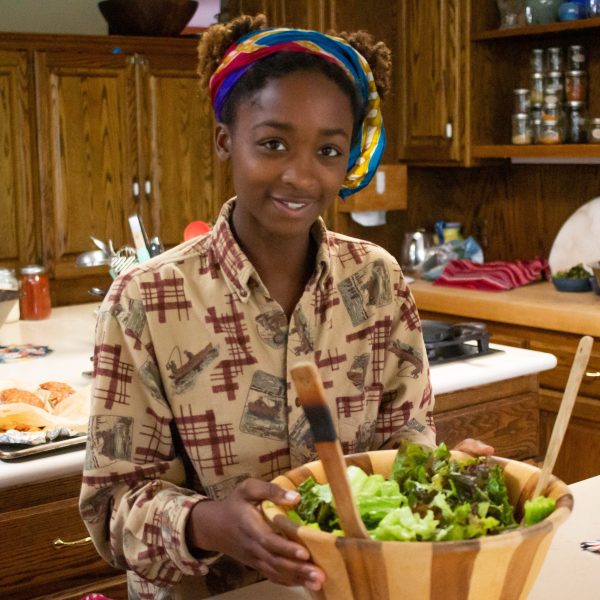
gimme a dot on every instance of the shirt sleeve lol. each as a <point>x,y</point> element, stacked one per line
<point>406,410</point>
<point>132,500</point>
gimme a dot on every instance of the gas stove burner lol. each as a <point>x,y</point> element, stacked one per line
<point>447,342</point>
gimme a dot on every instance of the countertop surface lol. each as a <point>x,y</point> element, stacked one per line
<point>534,305</point>
<point>70,333</point>
<point>568,571</point>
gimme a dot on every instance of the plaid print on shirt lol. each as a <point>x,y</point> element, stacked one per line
<point>192,362</point>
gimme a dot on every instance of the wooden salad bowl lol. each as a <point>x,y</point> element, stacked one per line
<point>501,566</point>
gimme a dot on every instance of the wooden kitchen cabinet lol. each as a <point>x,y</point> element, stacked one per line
<point>33,565</point>
<point>20,241</point>
<point>432,92</point>
<point>121,132</point>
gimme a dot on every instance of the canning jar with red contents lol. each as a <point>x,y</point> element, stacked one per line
<point>34,303</point>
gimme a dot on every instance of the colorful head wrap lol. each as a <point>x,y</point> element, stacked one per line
<point>365,154</point>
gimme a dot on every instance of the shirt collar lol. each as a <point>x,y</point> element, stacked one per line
<point>237,269</point>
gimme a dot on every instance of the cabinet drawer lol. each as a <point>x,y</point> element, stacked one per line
<point>564,347</point>
<point>510,425</point>
<point>32,567</point>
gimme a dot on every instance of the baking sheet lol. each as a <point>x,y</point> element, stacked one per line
<point>13,451</point>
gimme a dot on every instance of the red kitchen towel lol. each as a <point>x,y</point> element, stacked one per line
<point>493,276</point>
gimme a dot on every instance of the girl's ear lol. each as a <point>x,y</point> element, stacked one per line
<point>223,141</point>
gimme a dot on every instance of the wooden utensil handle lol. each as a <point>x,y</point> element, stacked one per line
<point>312,398</point>
<point>580,361</point>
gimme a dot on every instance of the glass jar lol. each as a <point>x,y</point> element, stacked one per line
<point>536,129</point>
<point>554,62</point>
<point>575,58</point>
<point>594,131</point>
<point>35,293</point>
<point>537,111</point>
<point>521,129</point>
<point>537,60</point>
<point>537,88</point>
<point>522,101</point>
<point>551,131</point>
<point>540,12</point>
<point>554,86</point>
<point>576,131</point>
<point>575,86</point>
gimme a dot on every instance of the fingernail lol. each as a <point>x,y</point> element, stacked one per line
<point>291,495</point>
<point>302,554</point>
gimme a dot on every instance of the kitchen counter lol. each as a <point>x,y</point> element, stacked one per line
<point>534,305</point>
<point>568,572</point>
<point>70,330</point>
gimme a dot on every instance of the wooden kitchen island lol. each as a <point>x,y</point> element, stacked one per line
<point>46,554</point>
<point>538,317</point>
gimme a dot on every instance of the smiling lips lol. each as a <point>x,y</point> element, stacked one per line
<point>291,205</point>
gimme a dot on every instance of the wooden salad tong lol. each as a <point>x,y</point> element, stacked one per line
<point>312,398</point>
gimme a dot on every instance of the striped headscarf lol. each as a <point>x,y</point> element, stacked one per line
<point>365,154</point>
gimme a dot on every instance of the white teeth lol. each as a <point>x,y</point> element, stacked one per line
<point>294,205</point>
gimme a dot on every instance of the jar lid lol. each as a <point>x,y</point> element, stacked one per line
<point>32,269</point>
<point>575,47</point>
<point>537,75</point>
<point>575,104</point>
<point>521,91</point>
<point>520,116</point>
<point>553,74</point>
<point>577,73</point>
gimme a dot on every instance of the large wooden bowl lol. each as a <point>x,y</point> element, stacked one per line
<point>147,17</point>
<point>504,566</point>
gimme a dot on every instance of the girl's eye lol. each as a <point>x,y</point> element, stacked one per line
<point>330,151</point>
<point>274,145</point>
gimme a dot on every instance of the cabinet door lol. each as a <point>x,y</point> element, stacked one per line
<point>88,158</point>
<point>19,224</point>
<point>180,180</point>
<point>431,93</point>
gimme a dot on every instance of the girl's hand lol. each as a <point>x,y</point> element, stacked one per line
<point>235,526</point>
<point>474,447</point>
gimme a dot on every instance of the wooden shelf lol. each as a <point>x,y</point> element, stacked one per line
<point>537,30</point>
<point>537,151</point>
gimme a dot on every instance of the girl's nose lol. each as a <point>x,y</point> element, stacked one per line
<point>299,172</point>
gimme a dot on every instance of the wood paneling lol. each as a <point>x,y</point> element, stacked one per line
<point>19,223</point>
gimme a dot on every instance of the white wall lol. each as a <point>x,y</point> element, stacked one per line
<point>73,16</point>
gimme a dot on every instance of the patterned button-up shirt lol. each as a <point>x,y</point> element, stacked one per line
<point>192,390</point>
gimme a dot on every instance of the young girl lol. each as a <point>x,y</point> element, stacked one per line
<point>193,408</point>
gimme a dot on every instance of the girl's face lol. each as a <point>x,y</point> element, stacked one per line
<point>288,147</point>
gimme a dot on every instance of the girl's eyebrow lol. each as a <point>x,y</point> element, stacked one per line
<point>287,127</point>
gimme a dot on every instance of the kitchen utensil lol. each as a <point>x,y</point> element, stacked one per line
<point>488,568</point>
<point>92,258</point>
<point>578,240</point>
<point>96,291</point>
<point>580,361</point>
<point>414,249</point>
<point>312,398</point>
<point>106,248</point>
<point>140,239</point>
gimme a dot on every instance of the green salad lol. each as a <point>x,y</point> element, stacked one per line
<point>429,496</point>
<point>576,272</point>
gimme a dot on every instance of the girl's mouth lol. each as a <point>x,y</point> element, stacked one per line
<point>295,206</point>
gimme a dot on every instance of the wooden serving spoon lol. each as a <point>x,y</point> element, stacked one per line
<point>580,361</point>
<point>312,398</point>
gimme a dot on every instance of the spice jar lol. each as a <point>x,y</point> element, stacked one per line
<point>575,58</point>
<point>576,127</point>
<point>575,86</point>
<point>554,60</point>
<point>594,131</point>
<point>34,303</point>
<point>521,130</point>
<point>522,101</point>
<point>551,132</point>
<point>536,87</point>
<point>537,60</point>
<point>554,85</point>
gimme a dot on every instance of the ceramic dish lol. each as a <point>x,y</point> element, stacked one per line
<point>578,240</point>
<point>572,285</point>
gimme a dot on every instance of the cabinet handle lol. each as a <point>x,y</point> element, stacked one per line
<point>58,543</point>
<point>136,189</point>
<point>592,374</point>
<point>449,130</point>
<point>148,188</point>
